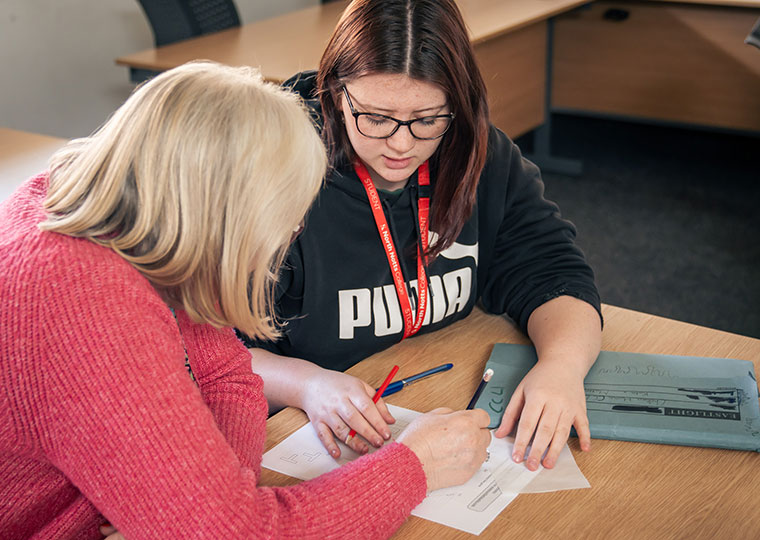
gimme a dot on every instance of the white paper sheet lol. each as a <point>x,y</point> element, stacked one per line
<point>469,507</point>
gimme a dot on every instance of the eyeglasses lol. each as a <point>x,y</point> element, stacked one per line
<point>380,126</point>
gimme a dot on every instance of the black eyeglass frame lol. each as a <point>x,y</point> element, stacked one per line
<point>399,123</point>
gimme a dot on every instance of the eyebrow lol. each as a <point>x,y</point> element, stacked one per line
<point>382,110</point>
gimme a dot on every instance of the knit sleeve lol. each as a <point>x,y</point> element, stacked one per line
<point>114,410</point>
<point>222,368</point>
<point>530,251</point>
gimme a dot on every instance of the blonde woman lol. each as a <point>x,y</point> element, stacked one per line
<point>143,245</point>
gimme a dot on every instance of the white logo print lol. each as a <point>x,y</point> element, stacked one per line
<point>457,250</point>
<point>379,306</point>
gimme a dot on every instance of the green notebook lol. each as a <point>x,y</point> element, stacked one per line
<point>653,398</point>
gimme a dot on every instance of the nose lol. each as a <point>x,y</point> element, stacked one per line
<point>402,141</point>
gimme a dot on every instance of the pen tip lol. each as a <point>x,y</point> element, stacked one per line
<point>488,374</point>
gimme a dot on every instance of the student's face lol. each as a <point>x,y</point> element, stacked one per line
<point>393,160</point>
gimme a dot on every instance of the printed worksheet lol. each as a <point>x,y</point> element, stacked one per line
<point>469,507</point>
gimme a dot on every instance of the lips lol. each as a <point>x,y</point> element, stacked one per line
<point>392,163</point>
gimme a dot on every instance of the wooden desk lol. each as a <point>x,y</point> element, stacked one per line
<point>509,40</point>
<point>23,155</point>
<point>681,62</point>
<point>677,62</point>
<point>637,490</point>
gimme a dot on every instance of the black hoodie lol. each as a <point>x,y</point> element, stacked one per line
<point>337,293</point>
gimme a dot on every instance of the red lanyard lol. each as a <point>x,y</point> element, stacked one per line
<point>412,322</point>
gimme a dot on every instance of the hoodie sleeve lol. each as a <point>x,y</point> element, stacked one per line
<point>528,251</point>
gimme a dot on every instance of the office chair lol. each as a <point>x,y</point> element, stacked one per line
<point>175,20</point>
<point>753,38</point>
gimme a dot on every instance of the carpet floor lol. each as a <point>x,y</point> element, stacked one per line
<point>668,217</point>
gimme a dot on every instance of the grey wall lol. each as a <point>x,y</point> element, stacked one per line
<point>57,70</point>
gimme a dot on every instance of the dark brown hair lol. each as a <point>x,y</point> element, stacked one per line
<point>426,40</point>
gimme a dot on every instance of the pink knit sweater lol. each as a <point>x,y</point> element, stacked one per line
<point>99,420</point>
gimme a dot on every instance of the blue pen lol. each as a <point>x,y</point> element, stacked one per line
<point>398,385</point>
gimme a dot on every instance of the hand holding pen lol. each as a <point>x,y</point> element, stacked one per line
<point>388,388</point>
<point>378,393</point>
<point>481,386</point>
<point>337,402</point>
<point>342,418</point>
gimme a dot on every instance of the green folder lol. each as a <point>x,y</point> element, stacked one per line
<point>654,398</point>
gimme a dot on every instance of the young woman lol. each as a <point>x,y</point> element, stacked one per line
<point>402,109</point>
<point>136,252</point>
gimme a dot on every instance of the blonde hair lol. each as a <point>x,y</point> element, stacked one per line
<point>198,180</point>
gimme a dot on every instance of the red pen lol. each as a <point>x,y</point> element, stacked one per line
<point>377,395</point>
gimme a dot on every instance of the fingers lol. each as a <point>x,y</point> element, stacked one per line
<point>549,434</point>
<point>557,444</point>
<point>544,407</point>
<point>529,418</point>
<point>382,408</point>
<point>357,421</point>
<point>526,428</point>
<point>110,532</point>
<point>481,419</point>
<point>583,431</point>
<point>359,413</point>
<point>376,414</point>
<point>325,435</point>
<point>363,416</point>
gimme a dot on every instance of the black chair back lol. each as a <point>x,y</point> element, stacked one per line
<point>175,20</point>
<point>753,38</point>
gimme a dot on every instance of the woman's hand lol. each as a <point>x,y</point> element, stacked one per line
<point>336,403</point>
<point>451,445</point>
<point>567,334</point>
<point>110,532</point>
<point>548,402</point>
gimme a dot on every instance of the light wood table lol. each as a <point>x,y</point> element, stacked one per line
<point>509,40</point>
<point>682,62</point>
<point>23,155</point>
<point>637,490</point>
